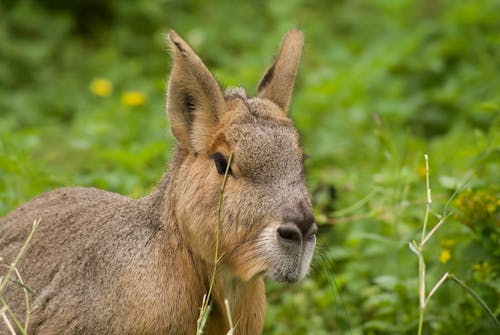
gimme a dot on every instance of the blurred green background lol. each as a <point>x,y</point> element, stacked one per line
<point>82,100</point>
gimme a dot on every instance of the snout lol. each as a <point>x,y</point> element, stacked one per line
<point>295,239</point>
<point>297,227</point>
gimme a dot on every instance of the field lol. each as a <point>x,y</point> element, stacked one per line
<point>381,84</point>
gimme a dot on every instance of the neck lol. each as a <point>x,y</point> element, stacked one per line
<point>246,298</point>
<point>246,304</point>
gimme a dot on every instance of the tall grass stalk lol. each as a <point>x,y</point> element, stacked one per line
<point>232,326</point>
<point>26,299</point>
<point>19,255</point>
<point>5,309</point>
<point>6,321</point>
<point>205,305</point>
<point>417,248</point>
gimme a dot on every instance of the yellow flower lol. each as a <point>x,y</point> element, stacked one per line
<point>445,255</point>
<point>133,98</point>
<point>101,87</point>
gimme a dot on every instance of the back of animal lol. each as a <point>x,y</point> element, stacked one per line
<point>233,202</point>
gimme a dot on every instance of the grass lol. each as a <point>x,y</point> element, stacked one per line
<point>12,268</point>
<point>418,249</point>
<point>205,305</point>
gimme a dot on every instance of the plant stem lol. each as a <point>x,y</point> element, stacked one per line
<point>19,255</point>
<point>205,306</point>
<point>420,247</point>
<point>13,317</point>
<point>429,200</point>
<point>420,322</point>
<point>421,290</point>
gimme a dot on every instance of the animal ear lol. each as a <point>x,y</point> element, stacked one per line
<point>195,101</point>
<point>277,82</point>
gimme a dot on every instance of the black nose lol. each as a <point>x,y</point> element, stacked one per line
<point>289,233</point>
<point>298,224</point>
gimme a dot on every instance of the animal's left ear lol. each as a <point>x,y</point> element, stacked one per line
<point>277,83</point>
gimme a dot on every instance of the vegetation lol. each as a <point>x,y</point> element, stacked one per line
<point>382,83</point>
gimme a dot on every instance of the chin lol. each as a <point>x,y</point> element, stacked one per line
<point>291,265</point>
<point>285,277</point>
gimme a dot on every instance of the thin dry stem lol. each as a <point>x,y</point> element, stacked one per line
<point>205,306</point>
<point>230,319</point>
<point>7,322</point>
<point>5,279</point>
<point>433,230</point>
<point>19,255</point>
<point>421,262</point>
<point>26,299</point>
<point>429,200</point>
<point>6,308</point>
<point>438,284</point>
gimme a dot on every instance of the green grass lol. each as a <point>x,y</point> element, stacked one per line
<point>381,84</point>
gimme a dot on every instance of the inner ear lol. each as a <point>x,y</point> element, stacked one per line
<point>190,104</point>
<point>268,75</point>
<point>277,82</point>
<point>195,101</point>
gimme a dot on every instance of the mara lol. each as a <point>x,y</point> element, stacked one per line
<point>102,263</point>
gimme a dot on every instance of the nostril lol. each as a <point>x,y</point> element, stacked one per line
<point>302,217</point>
<point>311,232</point>
<point>289,233</point>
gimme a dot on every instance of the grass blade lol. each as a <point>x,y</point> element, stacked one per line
<point>19,255</point>
<point>12,317</point>
<point>476,297</point>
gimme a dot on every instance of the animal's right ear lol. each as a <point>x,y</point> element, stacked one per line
<point>194,99</point>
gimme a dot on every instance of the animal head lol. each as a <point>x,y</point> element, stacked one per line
<point>266,222</point>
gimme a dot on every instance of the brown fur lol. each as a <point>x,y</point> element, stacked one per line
<point>101,263</point>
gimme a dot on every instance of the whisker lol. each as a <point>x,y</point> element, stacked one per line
<point>324,264</point>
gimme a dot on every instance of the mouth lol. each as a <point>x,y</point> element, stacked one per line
<point>290,263</point>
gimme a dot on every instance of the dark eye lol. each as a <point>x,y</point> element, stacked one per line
<point>221,164</point>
